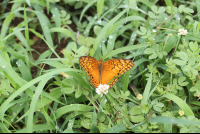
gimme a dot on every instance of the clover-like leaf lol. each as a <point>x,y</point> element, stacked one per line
<point>152,15</point>
<point>136,110</point>
<point>161,10</point>
<point>154,8</point>
<point>182,55</point>
<point>74,46</point>
<point>153,56</point>
<point>97,29</point>
<point>193,46</point>
<point>149,51</point>
<point>101,117</point>
<point>181,81</point>
<point>86,123</point>
<point>69,90</point>
<point>142,31</point>
<point>137,118</point>
<point>179,62</point>
<point>78,93</point>
<point>85,92</point>
<point>102,127</point>
<point>187,68</point>
<point>192,60</point>
<point>157,109</point>
<point>193,89</point>
<point>188,10</point>
<point>181,8</point>
<point>89,41</point>
<point>81,40</point>
<point>78,5</point>
<point>5,87</point>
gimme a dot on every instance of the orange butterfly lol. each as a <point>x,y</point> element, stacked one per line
<point>102,73</point>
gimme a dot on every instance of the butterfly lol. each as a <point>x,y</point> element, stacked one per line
<point>103,73</point>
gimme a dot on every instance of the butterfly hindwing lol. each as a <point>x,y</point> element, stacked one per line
<point>103,73</point>
<point>90,66</point>
<point>113,68</point>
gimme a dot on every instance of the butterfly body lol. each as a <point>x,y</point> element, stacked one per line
<point>101,72</point>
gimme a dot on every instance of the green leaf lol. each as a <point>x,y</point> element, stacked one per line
<point>135,110</point>
<point>89,41</point>
<point>188,10</point>
<point>78,5</point>
<point>101,117</point>
<point>154,8</point>
<point>124,49</point>
<point>167,127</point>
<point>116,129</point>
<point>192,60</point>
<point>181,8</point>
<point>187,68</point>
<point>102,127</point>
<point>171,42</point>
<point>97,29</point>
<point>64,31</point>
<point>86,123</point>
<point>69,127</point>
<point>160,104</point>
<point>193,89</point>
<point>101,35</point>
<point>179,62</point>
<point>157,109</point>
<point>33,104</point>
<point>81,40</point>
<point>171,120</point>
<point>193,46</point>
<point>152,15</point>
<point>93,127</point>
<point>149,51</point>
<point>181,79</point>
<point>182,55</point>
<point>161,10</point>
<point>85,92</point>
<point>147,90</point>
<point>138,118</point>
<point>39,127</point>
<point>180,103</point>
<point>153,56</point>
<point>140,33</point>
<point>78,93</point>
<point>100,5</point>
<point>143,30</point>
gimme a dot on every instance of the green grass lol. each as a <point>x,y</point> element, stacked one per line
<point>43,89</point>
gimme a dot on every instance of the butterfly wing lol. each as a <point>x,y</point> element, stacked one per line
<point>90,66</point>
<point>113,68</point>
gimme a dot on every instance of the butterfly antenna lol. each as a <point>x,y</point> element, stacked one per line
<point>106,54</point>
<point>96,53</point>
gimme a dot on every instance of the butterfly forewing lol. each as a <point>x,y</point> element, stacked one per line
<point>90,66</point>
<point>103,73</point>
<point>113,68</point>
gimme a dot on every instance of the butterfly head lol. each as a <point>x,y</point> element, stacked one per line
<point>100,61</point>
<point>100,64</point>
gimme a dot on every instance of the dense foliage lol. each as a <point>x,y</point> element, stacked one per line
<point>44,89</point>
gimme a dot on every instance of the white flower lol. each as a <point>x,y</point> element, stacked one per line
<point>182,32</point>
<point>102,89</point>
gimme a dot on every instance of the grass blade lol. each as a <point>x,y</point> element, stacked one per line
<point>171,120</point>
<point>180,103</point>
<point>147,90</point>
<point>101,35</point>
